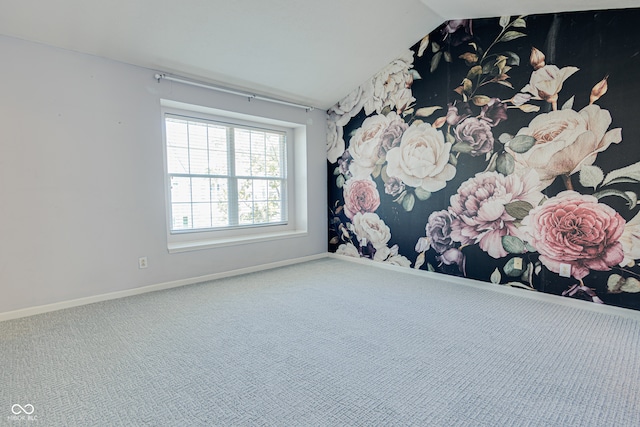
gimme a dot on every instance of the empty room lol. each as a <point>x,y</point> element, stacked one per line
<point>337,213</point>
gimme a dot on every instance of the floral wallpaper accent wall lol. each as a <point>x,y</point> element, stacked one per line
<point>505,150</point>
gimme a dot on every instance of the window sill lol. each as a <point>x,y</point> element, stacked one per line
<point>196,245</point>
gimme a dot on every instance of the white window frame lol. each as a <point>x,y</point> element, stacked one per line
<point>187,240</point>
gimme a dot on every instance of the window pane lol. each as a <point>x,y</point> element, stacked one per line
<point>245,189</point>
<point>218,163</point>
<point>178,160</point>
<point>275,190</point>
<point>180,190</point>
<point>220,213</point>
<point>275,155</point>
<point>199,161</point>
<point>177,135</point>
<point>258,166</point>
<point>219,190</point>
<point>275,211</point>
<point>245,213</point>
<point>201,190</point>
<point>201,215</point>
<point>181,216</point>
<point>197,136</point>
<point>259,190</point>
<point>260,214</point>
<point>243,164</point>
<point>242,142</point>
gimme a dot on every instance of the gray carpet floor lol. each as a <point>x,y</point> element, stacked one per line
<point>323,343</point>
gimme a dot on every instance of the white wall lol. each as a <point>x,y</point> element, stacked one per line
<point>82,184</point>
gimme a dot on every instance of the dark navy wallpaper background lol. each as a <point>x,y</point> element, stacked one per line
<point>505,150</point>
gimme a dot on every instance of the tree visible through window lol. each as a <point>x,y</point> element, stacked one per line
<point>223,175</point>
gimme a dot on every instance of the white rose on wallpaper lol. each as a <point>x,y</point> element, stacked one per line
<point>630,240</point>
<point>351,104</point>
<point>348,249</point>
<point>335,140</point>
<point>364,145</point>
<point>391,86</point>
<point>566,140</point>
<point>422,159</point>
<point>369,226</point>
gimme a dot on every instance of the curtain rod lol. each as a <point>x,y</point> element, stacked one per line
<point>250,96</point>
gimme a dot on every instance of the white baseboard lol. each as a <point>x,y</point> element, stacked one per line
<point>30,311</point>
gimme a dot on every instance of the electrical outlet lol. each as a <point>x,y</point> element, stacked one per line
<point>142,262</point>
<point>565,270</point>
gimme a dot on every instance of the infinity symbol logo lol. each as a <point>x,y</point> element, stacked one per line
<point>19,409</point>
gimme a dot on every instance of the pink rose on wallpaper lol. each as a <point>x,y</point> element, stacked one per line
<point>572,228</point>
<point>360,195</point>
<point>479,211</point>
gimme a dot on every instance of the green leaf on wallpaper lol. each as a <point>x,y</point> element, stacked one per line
<point>474,72</point>
<point>422,194</point>
<point>521,143</point>
<point>591,176</point>
<point>435,61</point>
<point>427,111</point>
<point>334,241</point>
<point>629,196</point>
<point>513,267</point>
<point>453,159</point>
<point>519,23</point>
<point>337,171</point>
<point>430,267</point>
<point>462,147</point>
<point>512,244</point>
<point>408,202</point>
<point>480,100</point>
<point>513,59</point>
<point>505,164</point>
<point>435,47</point>
<point>569,104</point>
<point>447,56</point>
<point>383,174</point>
<point>495,277</point>
<point>511,35</point>
<point>631,172</point>
<point>449,138</point>
<point>415,74</point>
<point>528,247</point>
<point>505,138</point>
<point>340,181</point>
<point>504,21</point>
<point>518,209</point>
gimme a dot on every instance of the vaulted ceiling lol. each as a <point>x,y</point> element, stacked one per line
<point>311,52</point>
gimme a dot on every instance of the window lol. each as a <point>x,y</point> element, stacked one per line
<point>231,178</point>
<point>224,175</point>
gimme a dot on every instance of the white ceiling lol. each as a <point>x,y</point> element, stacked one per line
<point>311,52</point>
